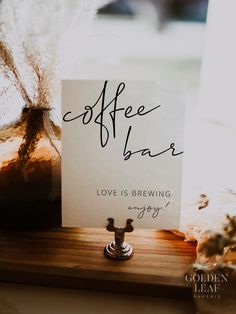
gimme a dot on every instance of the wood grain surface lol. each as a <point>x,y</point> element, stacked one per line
<point>73,257</point>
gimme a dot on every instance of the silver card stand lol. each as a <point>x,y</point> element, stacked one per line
<point>119,249</point>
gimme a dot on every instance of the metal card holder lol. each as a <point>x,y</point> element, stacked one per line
<point>119,249</point>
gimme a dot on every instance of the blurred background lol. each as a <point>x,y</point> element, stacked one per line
<point>148,40</point>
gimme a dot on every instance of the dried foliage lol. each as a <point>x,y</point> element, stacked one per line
<point>216,243</point>
<point>42,41</point>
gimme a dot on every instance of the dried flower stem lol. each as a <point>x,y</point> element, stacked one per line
<point>8,63</point>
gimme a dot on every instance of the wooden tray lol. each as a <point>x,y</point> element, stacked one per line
<point>73,258</point>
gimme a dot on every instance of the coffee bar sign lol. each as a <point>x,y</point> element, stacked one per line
<point>122,152</point>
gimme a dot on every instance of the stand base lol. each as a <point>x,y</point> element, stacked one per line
<point>119,252</point>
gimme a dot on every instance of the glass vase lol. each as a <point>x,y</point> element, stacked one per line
<point>30,171</point>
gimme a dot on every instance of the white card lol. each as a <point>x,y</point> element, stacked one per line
<point>122,153</point>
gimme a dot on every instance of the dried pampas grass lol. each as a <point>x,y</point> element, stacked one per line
<point>40,43</point>
<point>9,71</point>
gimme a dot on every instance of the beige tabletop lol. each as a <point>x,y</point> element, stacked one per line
<point>21,299</point>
